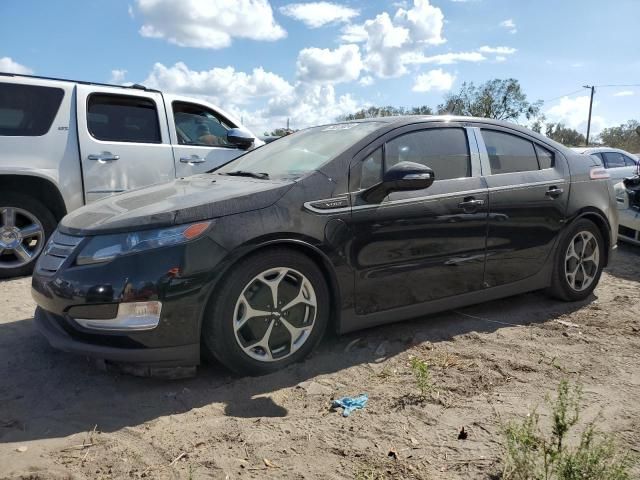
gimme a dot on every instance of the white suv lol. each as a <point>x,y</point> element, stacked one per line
<point>64,144</point>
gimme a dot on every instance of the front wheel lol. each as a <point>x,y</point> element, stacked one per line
<point>579,262</point>
<point>25,226</point>
<point>269,312</point>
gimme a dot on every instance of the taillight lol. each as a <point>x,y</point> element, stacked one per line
<point>598,173</point>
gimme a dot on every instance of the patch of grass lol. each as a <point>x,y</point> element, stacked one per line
<point>369,473</point>
<point>421,373</point>
<point>533,454</point>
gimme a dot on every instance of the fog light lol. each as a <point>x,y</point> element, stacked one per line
<point>131,316</point>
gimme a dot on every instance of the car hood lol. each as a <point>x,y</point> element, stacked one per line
<point>190,199</point>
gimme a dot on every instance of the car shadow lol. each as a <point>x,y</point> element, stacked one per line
<point>45,393</point>
<point>625,263</point>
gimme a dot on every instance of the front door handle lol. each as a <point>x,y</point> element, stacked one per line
<point>470,204</point>
<point>192,159</point>
<point>554,192</point>
<point>104,157</point>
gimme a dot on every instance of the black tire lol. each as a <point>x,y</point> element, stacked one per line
<point>561,287</point>
<point>37,210</point>
<point>218,334</point>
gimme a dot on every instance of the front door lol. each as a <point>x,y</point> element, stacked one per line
<point>199,138</point>
<point>422,245</point>
<point>124,140</point>
<point>528,192</point>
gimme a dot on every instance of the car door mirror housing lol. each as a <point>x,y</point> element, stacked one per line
<point>403,176</point>
<point>240,138</point>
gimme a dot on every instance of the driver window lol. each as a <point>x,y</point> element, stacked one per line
<point>198,126</point>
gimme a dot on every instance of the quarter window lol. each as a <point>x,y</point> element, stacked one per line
<point>123,118</point>
<point>546,158</point>
<point>508,153</point>
<point>28,110</point>
<point>371,169</point>
<point>196,125</point>
<point>444,150</point>
<point>629,162</point>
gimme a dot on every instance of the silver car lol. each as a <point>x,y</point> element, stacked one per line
<point>619,163</point>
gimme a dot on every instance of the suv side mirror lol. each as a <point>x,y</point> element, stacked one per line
<point>240,138</point>
<point>403,176</point>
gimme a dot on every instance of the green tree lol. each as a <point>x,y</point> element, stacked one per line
<point>625,136</point>
<point>388,111</point>
<point>502,99</point>
<point>564,135</point>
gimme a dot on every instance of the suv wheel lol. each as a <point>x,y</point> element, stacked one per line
<point>269,312</point>
<point>579,262</point>
<point>25,227</point>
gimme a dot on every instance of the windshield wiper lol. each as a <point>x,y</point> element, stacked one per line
<point>243,173</point>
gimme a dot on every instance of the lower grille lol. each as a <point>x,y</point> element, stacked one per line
<point>59,248</point>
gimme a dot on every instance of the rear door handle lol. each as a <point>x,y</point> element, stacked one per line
<point>104,157</point>
<point>192,159</point>
<point>470,204</point>
<point>554,192</point>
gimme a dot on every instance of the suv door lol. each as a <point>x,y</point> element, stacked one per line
<point>528,191</point>
<point>422,245</point>
<point>124,140</point>
<point>199,137</point>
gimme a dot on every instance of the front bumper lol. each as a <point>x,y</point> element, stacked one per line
<point>629,225</point>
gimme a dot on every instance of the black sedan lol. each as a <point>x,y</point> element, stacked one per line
<point>341,226</point>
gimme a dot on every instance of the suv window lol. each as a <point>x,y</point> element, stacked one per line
<point>28,110</point>
<point>123,118</point>
<point>196,125</point>
<point>444,150</point>
<point>613,159</point>
<point>509,153</point>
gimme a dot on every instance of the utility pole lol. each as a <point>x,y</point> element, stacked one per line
<point>590,108</point>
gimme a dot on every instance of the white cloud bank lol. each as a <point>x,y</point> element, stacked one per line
<point>329,66</point>
<point>8,65</point>
<point>434,80</point>
<point>574,113</point>
<point>318,14</point>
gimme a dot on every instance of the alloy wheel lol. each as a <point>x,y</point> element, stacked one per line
<point>275,314</point>
<point>582,260</point>
<point>21,237</point>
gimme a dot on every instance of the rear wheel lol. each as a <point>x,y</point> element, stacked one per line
<point>270,311</point>
<point>579,262</point>
<point>25,226</point>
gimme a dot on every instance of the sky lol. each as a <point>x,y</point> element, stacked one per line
<point>311,62</point>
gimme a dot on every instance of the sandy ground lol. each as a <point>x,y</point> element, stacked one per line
<point>60,417</point>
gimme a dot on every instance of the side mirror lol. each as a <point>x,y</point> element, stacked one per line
<point>403,176</point>
<point>240,138</point>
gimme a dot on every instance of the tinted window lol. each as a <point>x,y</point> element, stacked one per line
<point>445,150</point>
<point>613,159</point>
<point>629,162</point>
<point>508,153</point>
<point>545,157</point>
<point>121,118</point>
<point>196,125</point>
<point>371,169</point>
<point>28,110</point>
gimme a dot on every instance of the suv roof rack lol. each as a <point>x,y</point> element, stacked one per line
<point>136,86</point>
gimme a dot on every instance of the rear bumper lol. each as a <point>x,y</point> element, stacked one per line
<point>51,327</point>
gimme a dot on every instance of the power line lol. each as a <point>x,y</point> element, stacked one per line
<point>597,86</point>
<point>560,96</point>
<point>627,85</point>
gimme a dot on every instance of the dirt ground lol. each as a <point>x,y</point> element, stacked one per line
<point>61,417</point>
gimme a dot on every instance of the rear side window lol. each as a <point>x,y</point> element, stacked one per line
<point>28,110</point>
<point>613,159</point>
<point>444,150</point>
<point>123,118</point>
<point>508,153</point>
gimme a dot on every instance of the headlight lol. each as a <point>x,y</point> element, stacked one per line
<point>102,248</point>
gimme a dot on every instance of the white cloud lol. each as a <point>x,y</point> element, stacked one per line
<point>130,11</point>
<point>434,80</point>
<point>500,59</point>
<point>8,65</point>
<point>445,58</point>
<point>574,113</point>
<point>510,25</point>
<point>117,76</point>
<point>318,14</point>
<point>387,40</point>
<point>208,23</point>
<point>366,81</point>
<point>329,66</point>
<point>497,50</point>
<point>624,93</point>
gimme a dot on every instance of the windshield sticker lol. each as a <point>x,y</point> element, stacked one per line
<point>342,126</point>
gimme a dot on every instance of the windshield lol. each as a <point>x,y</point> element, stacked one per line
<point>299,153</point>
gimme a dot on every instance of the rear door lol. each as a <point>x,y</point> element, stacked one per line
<point>199,136</point>
<point>528,192</point>
<point>124,140</point>
<point>420,245</point>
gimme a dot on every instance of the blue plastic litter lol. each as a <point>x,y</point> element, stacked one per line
<point>349,404</point>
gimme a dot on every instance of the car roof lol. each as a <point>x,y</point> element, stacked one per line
<point>135,86</point>
<point>590,150</point>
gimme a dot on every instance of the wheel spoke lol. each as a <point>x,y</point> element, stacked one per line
<point>249,312</point>
<point>22,253</point>
<point>274,283</point>
<point>295,333</point>
<point>300,298</point>
<point>571,251</point>
<point>8,217</point>
<point>31,230</point>
<point>263,343</point>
